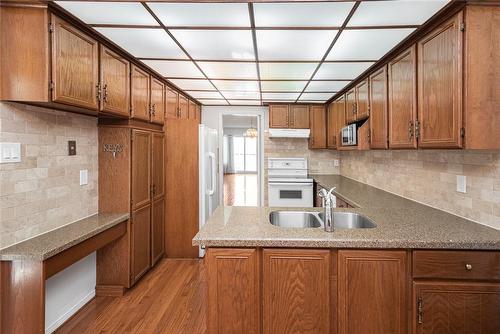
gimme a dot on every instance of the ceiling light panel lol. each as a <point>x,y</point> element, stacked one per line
<point>293,44</point>
<point>94,12</point>
<point>173,68</point>
<point>221,70</point>
<point>202,14</point>
<point>341,71</point>
<point>244,95</point>
<point>217,44</point>
<point>205,95</point>
<point>235,85</point>
<point>280,96</point>
<point>384,13</point>
<point>366,43</point>
<point>245,102</point>
<point>319,14</point>
<point>147,43</point>
<point>326,86</point>
<point>188,84</point>
<point>285,71</point>
<point>283,86</point>
<point>315,96</point>
<point>213,102</point>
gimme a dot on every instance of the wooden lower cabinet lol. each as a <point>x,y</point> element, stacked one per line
<point>157,230</point>
<point>141,247</point>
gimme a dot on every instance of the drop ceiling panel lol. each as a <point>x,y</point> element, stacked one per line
<point>280,96</point>
<point>366,44</point>
<point>93,12</point>
<point>342,71</point>
<point>173,68</point>
<point>202,14</point>
<point>217,44</point>
<point>205,95</point>
<point>315,96</point>
<point>245,95</point>
<point>213,102</point>
<point>293,71</point>
<point>244,102</point>
<point>235,85</point>
<point>286,86</point>
<point>147,43</point>
<point>293,44</point>
<point>301,14</point>
<point>188,84</point>
<point>220,70</point>
<point>387,13</point>
<point>326,86</point>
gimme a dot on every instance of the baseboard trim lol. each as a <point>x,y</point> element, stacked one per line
<point>109,290</point>
<point>62,319</point>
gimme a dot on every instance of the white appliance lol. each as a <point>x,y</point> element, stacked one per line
<point>288,184</point>
<point>289,133</point>
<point>208,151</point>
<point>349,135</point>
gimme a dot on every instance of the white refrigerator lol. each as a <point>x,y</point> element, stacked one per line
<point>209,174</point>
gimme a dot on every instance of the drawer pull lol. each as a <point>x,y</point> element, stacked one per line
<point>468,266</point>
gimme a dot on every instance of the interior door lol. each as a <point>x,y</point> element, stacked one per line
<point>115,83</point>
<point>172,104</point>
<point>378,109</point>
<point>75,59</point>
<point>141,162</point>
<point>140,91</point>
<point>183,107</point>
<point>157,101</point>
<point>299,117</point>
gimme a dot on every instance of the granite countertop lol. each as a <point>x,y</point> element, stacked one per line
<point>401,223</point>
<point>54,242</point>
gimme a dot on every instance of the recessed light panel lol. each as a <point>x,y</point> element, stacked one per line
<point>283,86</point>
<point>244,95</point>
<point>326,86</point>
<point>316,96</point>
<point>245,102</point>
<point>280,96</point>
<point>221,70</point>
<point>235,85</point>
<point>189,84</point>
<point>280,71</point>
<point>174,68</point>
<point>204,95</point>
<point>341,71</point>
<point>213,102</point>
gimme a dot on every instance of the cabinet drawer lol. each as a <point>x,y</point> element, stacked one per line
<point>456,264</point>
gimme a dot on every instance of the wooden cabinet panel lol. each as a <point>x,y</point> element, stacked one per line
<point>299,117</point>
<point>191,110</point>
<point>372,292</point>
<point>115,83</point>
<point>141,248</point>
<point>362,103</point>
<point>172,104</point>
<point>341,122</point>
<point>183,107</point>
<point>350,106</point>
<point>158,170</point>
<point>296,291</point>
<point>157,230</point>
<point>378,109</point>
<point>141,181</point>
<point>198,113</point>
<point>278,116</point>
<point>440,86</point>
<point>317,122</point>
<point>451,307</point>
<point>402,100</point>
<point>157,101</point>
<point>140,93</point>
<point>331,131</point>
<point>74,66</point>
<point>233,291</point>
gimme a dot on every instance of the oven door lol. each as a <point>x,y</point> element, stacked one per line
<point>290,194</point>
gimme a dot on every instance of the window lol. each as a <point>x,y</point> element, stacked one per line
<point>245,154</point>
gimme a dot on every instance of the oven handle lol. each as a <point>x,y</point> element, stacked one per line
<point>290,184</point>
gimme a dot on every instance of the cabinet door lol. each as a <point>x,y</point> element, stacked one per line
<point>403,100</point>
<point>140,93</point>
<point>157,101</point>
<point>331,141</point>
<point>172,104</point>
<point>378,109</point>
<point>192,110</point>
<point>141,180</point>
<point>372,292</point>
<point>453,307</point>
<point>233,291</point>
<point>362,105</point>
<point>341,122</point>
<point>75,60</point>
<point>350,106</point>
<point>299,117</point>
<point>157,230</point>
<point>278,116</point>
<point>183,107</point>
<point>141,247</point>
<point>198,113</point>
<point>115,83</point>
<point>317,138</point>
<point>440,86</point>
<point>158,158</point>
<point>296,291</point>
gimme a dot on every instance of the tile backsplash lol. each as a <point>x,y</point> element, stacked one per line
<point>43,192</point>
<point>430,177</point>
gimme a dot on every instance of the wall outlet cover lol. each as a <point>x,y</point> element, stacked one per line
<point>71,147</point>
<point>10,152</point>
<point>461,184</point>
<point>84,177</point>
<point>336,162</point>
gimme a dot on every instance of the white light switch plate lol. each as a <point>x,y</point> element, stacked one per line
<point>336,162</point>
<point>84,177</point>
<point>10,152</point>
<point>461,184</point>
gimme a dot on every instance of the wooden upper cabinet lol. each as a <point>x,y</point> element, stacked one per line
<point>157,101</point>
<point>140,244</point>
<point>341,121</point>
<point>140,93</point>
<point>362,103</point>
<point>198,113</point>
<point>402,100</point>
<point>350,106</point>
<point>296,291</point>
<point>378,109</point>
<point>183,107</point>
<point>75,60</point>
<point>278,116</point>
<point>317,138</point>
<point>372,292</point>
<point>141,162</point>
<point>172,109</point>
<point>299,117</point>
<point>114,83</point>
<point>191,110</point>
<point>440,86</point>
<point>157,160</point>
<point>332,119</point>
<point>456,307</point>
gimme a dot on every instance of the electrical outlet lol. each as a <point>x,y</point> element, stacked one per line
<point>10,152</point>
<point>461,184</point>
<point>336,162</point>
<point>84,177</point>
<point>72,147</point>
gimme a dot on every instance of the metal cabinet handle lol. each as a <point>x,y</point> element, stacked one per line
<point>468,267</point>
<point>410,130</point>
<point>105,91</point>
<point>98,93</point>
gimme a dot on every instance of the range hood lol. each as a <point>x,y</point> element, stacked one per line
<point>289,133</point>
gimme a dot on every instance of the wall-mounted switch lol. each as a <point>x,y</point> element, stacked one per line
<point>336,162</point>
<point>72,147</point>
<point>10,152</point>
<point>84,177</point>
<point>461,184</point>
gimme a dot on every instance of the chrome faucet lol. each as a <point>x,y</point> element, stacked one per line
<point>327,203</point>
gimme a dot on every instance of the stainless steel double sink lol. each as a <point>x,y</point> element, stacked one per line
<point>308,219</point>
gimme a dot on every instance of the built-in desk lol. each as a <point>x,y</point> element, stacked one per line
<point>25,266</point>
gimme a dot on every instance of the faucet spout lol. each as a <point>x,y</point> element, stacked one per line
<point>327,201</point>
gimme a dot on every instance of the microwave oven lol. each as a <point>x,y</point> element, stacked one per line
<point>349,135</point>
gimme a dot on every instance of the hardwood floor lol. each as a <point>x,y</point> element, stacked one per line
<point>169,299</point>
<point>240,189</point>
